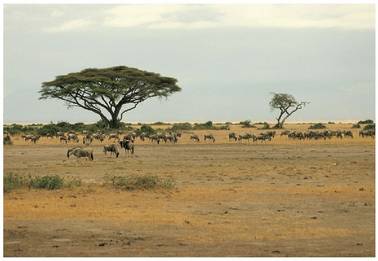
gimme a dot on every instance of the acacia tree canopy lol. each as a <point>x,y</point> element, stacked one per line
<point>108,92</point>
<point>287,105</point>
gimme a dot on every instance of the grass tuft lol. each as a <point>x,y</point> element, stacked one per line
<point>12,182</point>
<point>146,182</point>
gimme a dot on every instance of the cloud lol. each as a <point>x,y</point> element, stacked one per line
<point>66,18</point>
<point>71,25</point>
<point>210,16</point>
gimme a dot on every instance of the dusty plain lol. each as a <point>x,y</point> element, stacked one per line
<point>278,198</point>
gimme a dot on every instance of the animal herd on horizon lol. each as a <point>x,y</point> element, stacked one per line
<point>127,141</point>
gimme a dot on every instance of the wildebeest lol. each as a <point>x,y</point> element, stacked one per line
<point>80,153</point>
<point>112,148</point>
<point>155,137</point>
<point>246,136</point>
<point>208,137</point>
<point>99,136</point>
<point>87,139</point>
<point>233,136</point>
<point>367,133</point>
<point>32,138</point>
<point>128,145</point>
<point>73,137</point>
<point>194,137</point>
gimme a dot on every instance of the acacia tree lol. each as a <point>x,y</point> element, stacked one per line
<point>108,92</point>
<point>287,105</point>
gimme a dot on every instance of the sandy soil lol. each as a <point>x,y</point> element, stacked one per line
<point>283,198</point>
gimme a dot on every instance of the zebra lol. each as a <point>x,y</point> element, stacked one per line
<point>194,137</point>
<point>112,148</point>
<point>80,153</point>
<point>233,136</point>
<point>128,145</point>
<point>208,137</point>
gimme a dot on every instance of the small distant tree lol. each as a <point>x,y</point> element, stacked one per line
<point>287,105</point>
<point>108,92</point>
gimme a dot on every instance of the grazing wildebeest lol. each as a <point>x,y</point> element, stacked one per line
<point>233,136</point>
<point>246,136</point>
<point>112,148</point>
<point>128,145</point>
<point>87,139</point>
<point>32,138</point>
<point>80,153</point>
<point>35,138</point>
<point>208,137</point>
<point>73,137</point>
<point>348,134</point>
<point>194,137</point>
<point>367,133</point>
<point>155,137</point>
<point>99,136</point>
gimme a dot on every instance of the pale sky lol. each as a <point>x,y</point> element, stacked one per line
<point>228,59</point>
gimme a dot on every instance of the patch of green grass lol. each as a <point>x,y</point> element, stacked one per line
<point>317,126</point>
<point>12,182</point>
<point>47,182</point>
<point>146,182</point>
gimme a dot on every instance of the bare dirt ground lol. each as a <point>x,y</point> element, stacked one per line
<point>280,198</point>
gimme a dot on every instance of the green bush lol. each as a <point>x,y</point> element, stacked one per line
<point>317,126</point>
<point>47,182</point>
<point>265,126</point>
<point>146,182</point>
<point>366,122</point>
<point>369,127</point>
<point>181,126</point>
<point>11,182</point>
<point>147,129</point>
<point>331,122</point>
<point>356,126</point>
<point>246,124</point>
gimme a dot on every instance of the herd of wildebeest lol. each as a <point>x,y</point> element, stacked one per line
<point>126,141</point>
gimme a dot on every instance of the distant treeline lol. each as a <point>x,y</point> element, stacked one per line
<point>53,128</point>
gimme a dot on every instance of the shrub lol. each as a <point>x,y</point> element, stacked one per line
<point>317,126</point>
<point>356,126</point>
<point>47,182</point>
<point>369,127</point>
<point>203,126</point>
<point>246,124</point>
<point>11,182</point>
<point>147,129</point>
<point>181,126</point>
<point>331,122</point>
<point>366,122</point>
<point>141,182</point>
<point>48,129</point>
<point>160,123</point>
<point>265,126</point>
